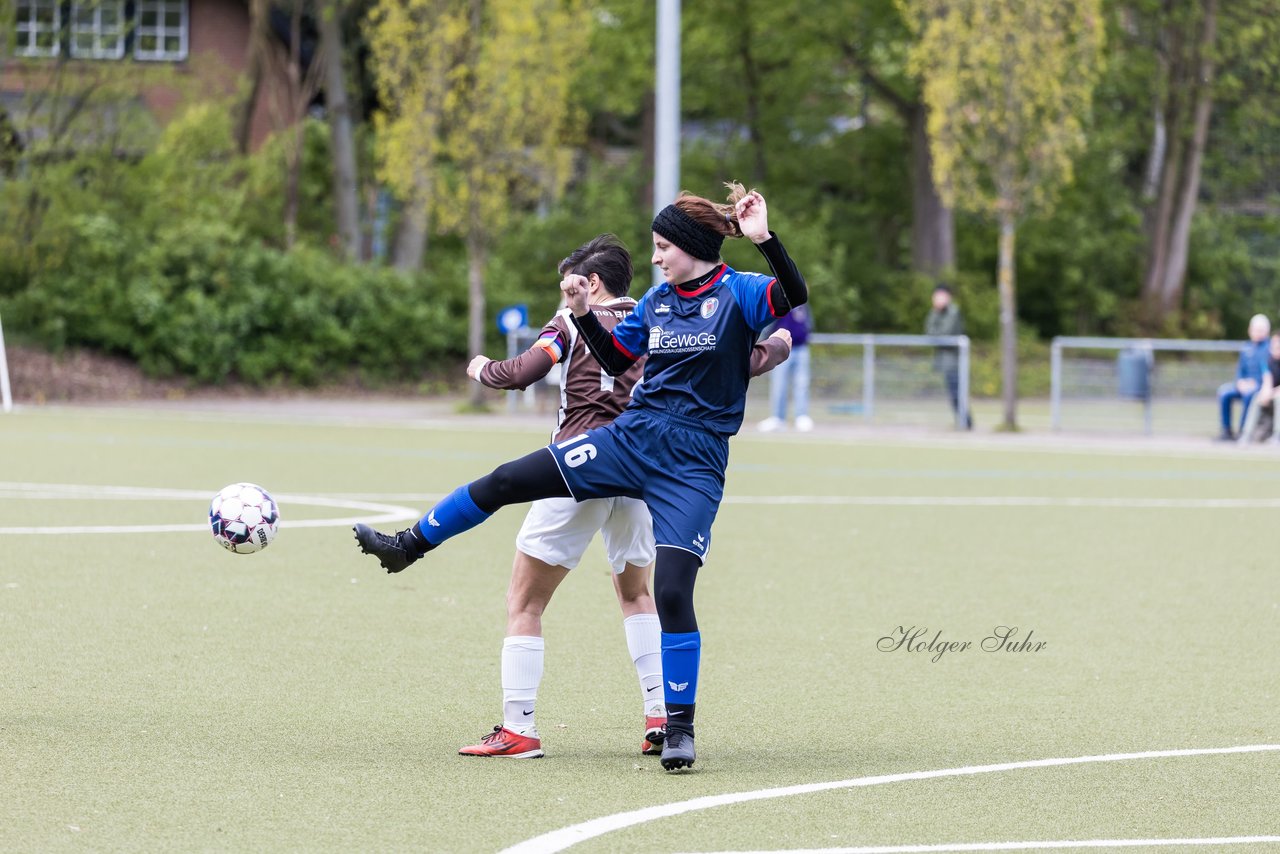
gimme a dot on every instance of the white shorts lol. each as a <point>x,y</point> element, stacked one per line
<point>558,530</point>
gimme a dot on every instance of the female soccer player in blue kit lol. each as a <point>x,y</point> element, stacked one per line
<point>670,447</point>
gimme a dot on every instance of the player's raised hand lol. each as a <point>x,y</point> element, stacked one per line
<point>753,217</point>
<point>575,288</point>
<point>784,334</point>
<point>476,366</point>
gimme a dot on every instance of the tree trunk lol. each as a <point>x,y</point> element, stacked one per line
<point>293,153</point>
<point>1175,273</point>
<point>648,156</point>
<point>933,230</point>
<point>256,64</point>
<point>1155,159</point>
<point>477,257</point>
<point>293,177</point>
<point>346,204</point>
<point>1160,210</point>
<point>410,245</point>
<point>1008,319</point>
<point>1188,80</point>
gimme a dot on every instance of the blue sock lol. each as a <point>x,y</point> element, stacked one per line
<point>680,654</point>
<point>455,513</point>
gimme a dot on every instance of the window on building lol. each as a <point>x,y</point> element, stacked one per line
<point>152,30</point>
<point>97,29</point>
<point>161,31</point>
<point>39,28</point>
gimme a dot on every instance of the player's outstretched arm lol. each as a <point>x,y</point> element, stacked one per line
<point>770,352</point>
<point>514,374</point>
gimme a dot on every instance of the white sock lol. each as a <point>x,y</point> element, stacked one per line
<point>521,675</point>
<point>644,640</point>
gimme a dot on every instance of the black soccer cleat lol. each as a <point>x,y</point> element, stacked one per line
<point>677,750</point>
<point>391,551</point>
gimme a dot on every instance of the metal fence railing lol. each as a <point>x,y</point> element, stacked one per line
<point>892,369</point>
<point>867,377</point>
<point>1179,376</point>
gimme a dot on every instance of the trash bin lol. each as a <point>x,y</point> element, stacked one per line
<point>1133,369</point>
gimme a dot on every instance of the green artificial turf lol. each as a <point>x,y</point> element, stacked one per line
<point>157,693</point>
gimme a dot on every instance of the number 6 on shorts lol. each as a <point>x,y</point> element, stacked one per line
<point>577,456</point>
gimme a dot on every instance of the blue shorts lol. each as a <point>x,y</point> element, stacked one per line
<point>673,463</point>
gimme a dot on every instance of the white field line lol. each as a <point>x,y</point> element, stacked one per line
<point>1008,501</point>
<point>559,840</point>
<point>395,513</point>
<point>928,501</point>
<point>376,513</point>
<point>1025,846</point>
<point>368,416</point>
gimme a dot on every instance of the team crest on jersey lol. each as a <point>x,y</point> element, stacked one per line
<point>709,306</point>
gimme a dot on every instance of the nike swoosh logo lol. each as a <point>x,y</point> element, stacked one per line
<point>526,714</point>
<point>650,690</point>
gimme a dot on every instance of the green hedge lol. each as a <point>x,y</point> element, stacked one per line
<point>174,260</point>
<point>197,301</point>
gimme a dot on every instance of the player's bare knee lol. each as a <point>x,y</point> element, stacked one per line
<point>638,604</point>
<point>520,604</point>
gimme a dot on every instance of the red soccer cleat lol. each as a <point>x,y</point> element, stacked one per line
<point>655,732</point>
<point>504,743</point>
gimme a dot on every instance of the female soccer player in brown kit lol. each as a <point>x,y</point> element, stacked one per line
<point>557,531</point>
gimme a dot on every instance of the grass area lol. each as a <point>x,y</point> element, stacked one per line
<point>157,693</point>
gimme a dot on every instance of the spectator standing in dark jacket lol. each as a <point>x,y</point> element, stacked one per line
<point>945,319</point>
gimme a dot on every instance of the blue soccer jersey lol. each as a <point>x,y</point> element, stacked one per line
<point>699,345</point>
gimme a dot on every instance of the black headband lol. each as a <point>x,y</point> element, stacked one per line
<point>687,233</point>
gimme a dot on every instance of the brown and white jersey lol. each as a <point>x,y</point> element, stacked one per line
<point>589,397</point>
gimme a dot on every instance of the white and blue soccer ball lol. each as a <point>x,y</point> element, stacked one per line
<point>244,518</point>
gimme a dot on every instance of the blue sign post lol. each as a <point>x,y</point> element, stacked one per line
<point>513,317</point>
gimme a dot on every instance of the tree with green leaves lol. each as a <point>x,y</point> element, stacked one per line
<point>476,114</point>
<point>1009,87</point>
<point>875,45</point>
<point>1212,81</point>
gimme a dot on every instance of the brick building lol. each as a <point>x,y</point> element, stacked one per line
<point>201,42</point>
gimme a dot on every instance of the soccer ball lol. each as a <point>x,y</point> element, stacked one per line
<point>244,518</point>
